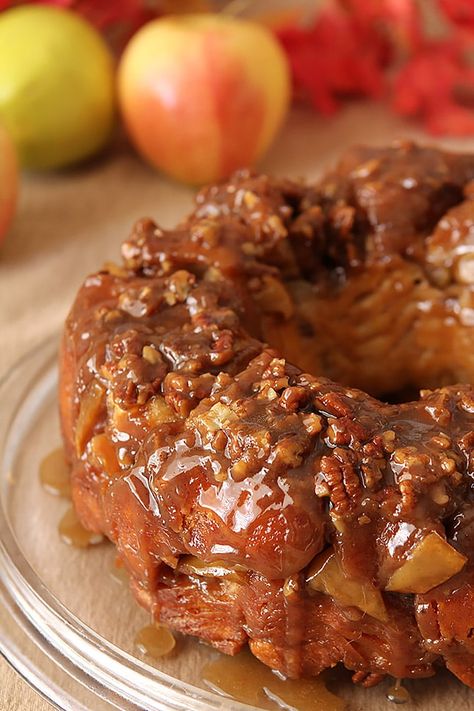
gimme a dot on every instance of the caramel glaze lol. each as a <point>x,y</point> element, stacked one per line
<point>54,474</point>
<point>189,435</point>
<point>247,680</point>
<point>397,694</point>
<point>155,641</point>
<point>74,533</point>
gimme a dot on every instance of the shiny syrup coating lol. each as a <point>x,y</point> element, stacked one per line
<point>223,470</point>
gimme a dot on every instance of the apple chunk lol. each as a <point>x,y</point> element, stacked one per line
<point>190,565</point>
<point>326,575</point>
<point>92,403</point>
<point>431,562</point>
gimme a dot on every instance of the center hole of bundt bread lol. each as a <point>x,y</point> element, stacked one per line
<point>397,397</point>
<point>387,330</point>
<point>376,273</point>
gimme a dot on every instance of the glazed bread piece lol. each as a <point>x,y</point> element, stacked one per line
<point>251,501</point>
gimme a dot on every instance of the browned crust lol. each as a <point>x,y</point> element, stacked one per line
<point>189,435</point>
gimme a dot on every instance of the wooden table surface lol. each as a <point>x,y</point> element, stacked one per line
<point>68,224</point>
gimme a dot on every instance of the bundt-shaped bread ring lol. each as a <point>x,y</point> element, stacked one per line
<point>251,501</point>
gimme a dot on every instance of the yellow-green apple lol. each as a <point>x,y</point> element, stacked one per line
<point>57,85</point>
<point>204,94</point>
<point>8,182</point>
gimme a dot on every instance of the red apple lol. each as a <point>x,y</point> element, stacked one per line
<point>8,182</point>
<point>202,95</point>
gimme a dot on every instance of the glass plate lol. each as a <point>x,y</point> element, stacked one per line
<point>66,626</point>
<point>58,603</point>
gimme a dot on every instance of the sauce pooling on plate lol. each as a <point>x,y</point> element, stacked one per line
<point>397,693</point>
<point>54,474</point>
<point>155,641</point>
<point>55,477</point>
<point>249,681</point>
<point>73,532</point>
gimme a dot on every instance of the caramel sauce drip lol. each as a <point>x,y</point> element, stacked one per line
<point>54,474</point>
<point>73,532</point>
<point>397,693</point>
<point>249,681</point>
<point>155,641</point>
<point>118,572</point>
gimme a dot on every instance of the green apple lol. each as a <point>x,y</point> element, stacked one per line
<point>56,86</point>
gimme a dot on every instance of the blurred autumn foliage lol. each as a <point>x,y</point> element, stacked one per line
<point>417,55</point>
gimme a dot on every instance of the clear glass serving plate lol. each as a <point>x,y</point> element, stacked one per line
<point>65,624</point>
